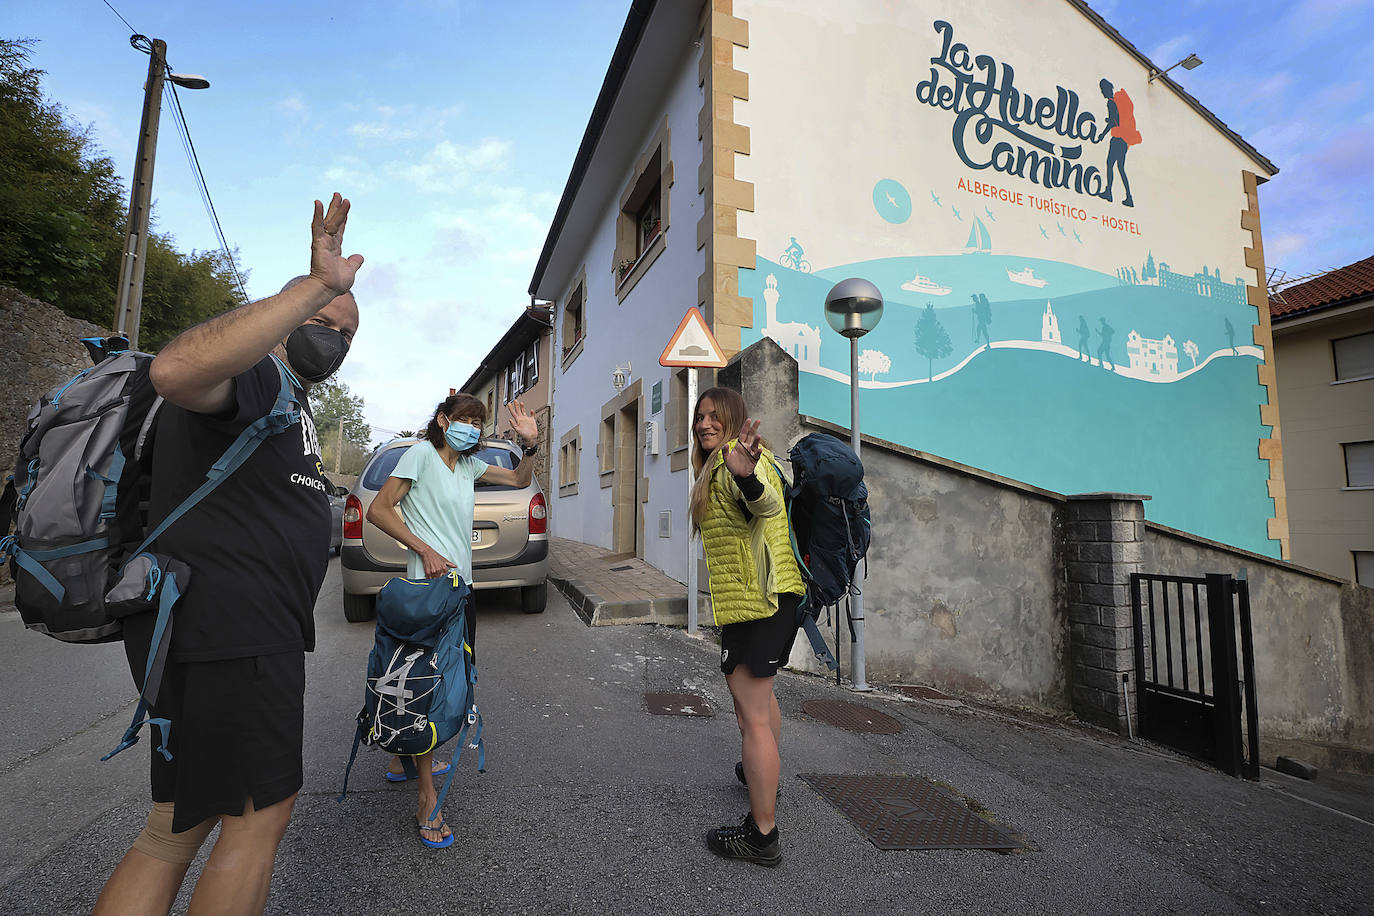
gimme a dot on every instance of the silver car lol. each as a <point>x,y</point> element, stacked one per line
<point>510,534</point>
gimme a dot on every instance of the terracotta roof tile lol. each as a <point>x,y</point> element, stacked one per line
<point>1344,283</point>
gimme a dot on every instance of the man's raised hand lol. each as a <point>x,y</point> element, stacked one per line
<point>327,263</point>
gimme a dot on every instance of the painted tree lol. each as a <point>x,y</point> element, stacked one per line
<point>874,362</point>
<point>1149,273</point>
<point>1191,349</point>
<point>932,340</point>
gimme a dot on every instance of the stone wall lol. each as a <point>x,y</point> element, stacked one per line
<point>40,347</point>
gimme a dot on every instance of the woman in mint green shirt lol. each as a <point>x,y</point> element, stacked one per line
<point>427,505</point>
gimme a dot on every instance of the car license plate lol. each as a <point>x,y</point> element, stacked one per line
<point>476,537</point>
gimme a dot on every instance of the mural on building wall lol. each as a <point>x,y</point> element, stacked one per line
<point>1009,342</point>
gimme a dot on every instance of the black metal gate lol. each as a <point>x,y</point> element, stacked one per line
<point>1192,692</point>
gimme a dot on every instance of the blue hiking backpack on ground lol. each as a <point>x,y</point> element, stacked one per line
<point>421,678</point>
<point>78,499</point>
<point>827,511</point>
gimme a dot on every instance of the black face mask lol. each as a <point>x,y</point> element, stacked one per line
<point>315,351</point>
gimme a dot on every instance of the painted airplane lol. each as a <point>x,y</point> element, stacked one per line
<point>956,213</point>
<point>1078,237</point>
<point>1061,230</point>
<point>936,199</point>
<point>1043,233</point>
<point>890,199</point>
<point>989,213</point>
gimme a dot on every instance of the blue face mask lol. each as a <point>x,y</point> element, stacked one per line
<point>462,436</point>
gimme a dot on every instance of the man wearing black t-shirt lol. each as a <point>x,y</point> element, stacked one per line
<point>257,548</point>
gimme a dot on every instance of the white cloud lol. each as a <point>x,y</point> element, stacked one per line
<point>450,165</point>
<point>293,105</point>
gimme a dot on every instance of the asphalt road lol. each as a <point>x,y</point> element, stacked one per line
<point>591,804</point>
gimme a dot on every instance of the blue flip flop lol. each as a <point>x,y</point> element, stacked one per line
<point>445,843</point>
<point>401,777</point>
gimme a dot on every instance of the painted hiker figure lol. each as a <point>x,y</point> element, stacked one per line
<point>1121,128</point>
<point>257,548</point>
<point>1084,339</point>
<point>756,587</point>
<point>982,316</point>
<point>433,487</point>
<point>1104,349</point>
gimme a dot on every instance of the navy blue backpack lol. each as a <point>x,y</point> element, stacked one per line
<point>420,676</point>
<point>827,511</point>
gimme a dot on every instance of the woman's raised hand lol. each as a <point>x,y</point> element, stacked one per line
<point>743,455</point>
<point>523,422</point>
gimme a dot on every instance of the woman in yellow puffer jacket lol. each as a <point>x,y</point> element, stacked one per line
<point>737,505</point>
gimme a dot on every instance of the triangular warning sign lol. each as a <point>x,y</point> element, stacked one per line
<point>693,344</point>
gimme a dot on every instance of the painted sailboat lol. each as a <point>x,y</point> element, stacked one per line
<point>920,284</point>
<point>978,237</point>
<point>1026,277</point>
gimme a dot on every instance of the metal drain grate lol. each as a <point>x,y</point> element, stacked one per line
<point>677,704</point>
<point>906,812</point>
<point>852,716</point>
<point>621,568</point>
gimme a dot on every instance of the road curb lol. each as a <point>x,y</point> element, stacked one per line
<point>596,611</point>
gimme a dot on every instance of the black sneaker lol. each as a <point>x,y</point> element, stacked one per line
<point>739,774</point>
<point>745,842</point>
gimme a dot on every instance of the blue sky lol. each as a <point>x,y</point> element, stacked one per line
<point>451,124</point>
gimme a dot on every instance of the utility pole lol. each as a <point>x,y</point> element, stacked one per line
<point>140,201</point>
<point>132,264</point>
<point>338,453</point>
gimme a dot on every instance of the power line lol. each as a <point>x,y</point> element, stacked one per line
<point>179,117</point>
<point>121,18</point>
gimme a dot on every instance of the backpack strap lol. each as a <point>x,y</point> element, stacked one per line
<point>152,673</point>
<point>474,718</point>
<point>353,754</point>
<point>805,619</point>
<point>285,413</point>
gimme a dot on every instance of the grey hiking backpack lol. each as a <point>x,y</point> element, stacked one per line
<point>78,500</point>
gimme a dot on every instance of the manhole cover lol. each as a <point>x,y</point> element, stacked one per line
<point>677,704</point>
<point>852,716</point>
<point>905,812</point>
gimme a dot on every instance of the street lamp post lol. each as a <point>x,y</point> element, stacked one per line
<point>131,265</point>
<point>854,307</point>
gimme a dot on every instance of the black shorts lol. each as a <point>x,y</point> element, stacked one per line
<point>237,733</point>
<point>763,645</point>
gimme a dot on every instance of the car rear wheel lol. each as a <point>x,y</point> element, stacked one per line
<point>359,608</point>
<point>533,598</point>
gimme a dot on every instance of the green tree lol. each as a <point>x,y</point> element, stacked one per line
<point>333,406</point>
<point>932,340</point>
<point>60,213</point>
<point>62,220</point>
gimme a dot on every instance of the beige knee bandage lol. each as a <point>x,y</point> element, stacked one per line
<point>158,840</point>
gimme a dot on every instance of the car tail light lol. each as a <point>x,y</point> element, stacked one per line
<point>539,515</point>
<point>353,518</point>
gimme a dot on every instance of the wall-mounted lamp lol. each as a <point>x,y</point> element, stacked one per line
<point>621,377</point>
<point>1191,62</point>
